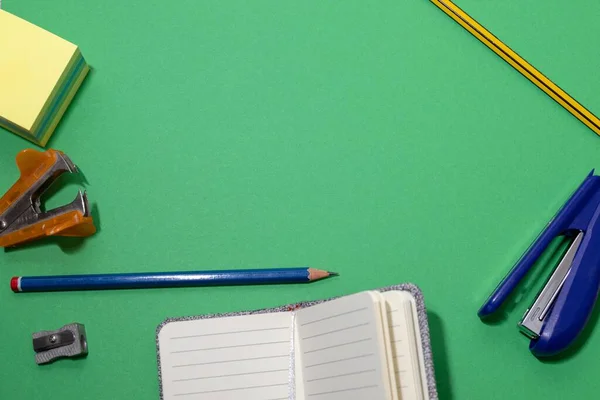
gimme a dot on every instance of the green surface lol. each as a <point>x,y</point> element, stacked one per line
<point>377,139</point>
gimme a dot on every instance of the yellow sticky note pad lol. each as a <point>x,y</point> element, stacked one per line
<point>39,75</point>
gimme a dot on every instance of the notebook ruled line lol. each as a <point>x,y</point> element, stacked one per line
<point>229,375</point>
<point>337,345</point>
<point>230,361</point>
<point>229,347</point>
<point>343,390</point>
<point>232,389</point>
<point>341,375</point>
<point>230,332</point>
<point>339,360</point>
<point>335,331</point>
<point>334,316</point>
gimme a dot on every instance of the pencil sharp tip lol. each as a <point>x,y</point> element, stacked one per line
<point>316,274</point>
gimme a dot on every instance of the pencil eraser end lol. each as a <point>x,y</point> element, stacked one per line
<point>14,284</point>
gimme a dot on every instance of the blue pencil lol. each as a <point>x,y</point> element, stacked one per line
<point>166,279</point>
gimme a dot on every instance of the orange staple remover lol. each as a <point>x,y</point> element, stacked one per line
<point>22,220</point>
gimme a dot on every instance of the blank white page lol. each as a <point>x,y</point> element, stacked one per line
<point>241,357</point>
<point>405,340</point>
<point>341,343</point>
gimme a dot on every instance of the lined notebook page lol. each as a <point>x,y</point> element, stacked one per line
<point>242,357</point>
<point>342,348</point>
<point>404,337</point>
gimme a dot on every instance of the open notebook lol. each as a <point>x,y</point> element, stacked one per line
<point>369,345</point>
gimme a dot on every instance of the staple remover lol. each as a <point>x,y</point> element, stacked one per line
<point>21,217</point>
<point>563,307</point>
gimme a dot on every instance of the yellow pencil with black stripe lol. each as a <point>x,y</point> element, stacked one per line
<point>520,64</point>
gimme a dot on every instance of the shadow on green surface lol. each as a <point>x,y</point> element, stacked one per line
<point>536,277</point>
<point>67,244</point>
<point>95,213</point>
<point>440,357</point>
<point>82,89</point>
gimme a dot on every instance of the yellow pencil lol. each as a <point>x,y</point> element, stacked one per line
<point>535,76</point>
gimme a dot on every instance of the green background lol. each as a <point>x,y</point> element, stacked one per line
<point>376,139</point>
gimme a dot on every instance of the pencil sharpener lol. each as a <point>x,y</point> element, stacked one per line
<point>67,342</point>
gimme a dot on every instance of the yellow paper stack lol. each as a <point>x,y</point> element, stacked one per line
<point>39,75</point>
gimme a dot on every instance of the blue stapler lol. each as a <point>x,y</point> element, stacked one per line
<point>563,306</point>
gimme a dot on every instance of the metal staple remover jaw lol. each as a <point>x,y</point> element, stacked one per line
<point>21,217</point>
<point>66,342</point>
<point>563,307</point>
